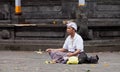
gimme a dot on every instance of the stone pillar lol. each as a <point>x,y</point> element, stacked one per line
<point>18,13</point>
<point>18,19</point>
<point>82,21</point>
<point>18,10</point>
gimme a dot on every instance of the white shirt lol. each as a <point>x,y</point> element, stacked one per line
<point>73,44</point>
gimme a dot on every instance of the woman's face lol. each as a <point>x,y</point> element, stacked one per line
<point>70,30</point>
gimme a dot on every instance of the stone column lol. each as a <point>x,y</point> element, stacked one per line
<point>18,13</point>
<point>82,20</point>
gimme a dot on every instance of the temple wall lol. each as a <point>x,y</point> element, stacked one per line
<point>103,16</point>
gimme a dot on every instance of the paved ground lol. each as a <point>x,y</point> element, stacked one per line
<point>30,61</point>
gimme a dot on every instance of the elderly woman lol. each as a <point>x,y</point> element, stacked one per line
<point>73,46</point>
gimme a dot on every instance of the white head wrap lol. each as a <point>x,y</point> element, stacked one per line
<point>72,24</point>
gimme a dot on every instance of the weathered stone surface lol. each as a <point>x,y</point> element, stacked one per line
<point>32,45</point>
<point>100,15</point>
<point>24,61</point>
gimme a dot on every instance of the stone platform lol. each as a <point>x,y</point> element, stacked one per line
<point>32,45</point>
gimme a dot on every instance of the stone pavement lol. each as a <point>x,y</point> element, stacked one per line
<point>31,61</point>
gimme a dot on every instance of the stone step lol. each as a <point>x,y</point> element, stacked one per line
<point>31,41</point>
<point>103,22</point>
<point>5,21</point>
<point>32,45</point>
<point>102,45</point>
